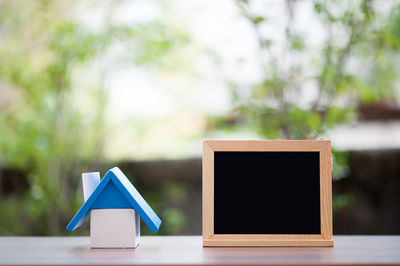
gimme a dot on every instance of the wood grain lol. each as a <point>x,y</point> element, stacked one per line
<point>188,250</point>
<point>326,191</point>
<point>322,146</point>
<point>267,241</point>
<point>208,191</point>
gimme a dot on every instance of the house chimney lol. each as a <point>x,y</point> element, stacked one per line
<point>90,182</point>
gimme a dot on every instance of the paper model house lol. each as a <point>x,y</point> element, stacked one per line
<point>115,207</point>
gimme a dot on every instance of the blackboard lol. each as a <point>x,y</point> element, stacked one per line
<point>266,193</point>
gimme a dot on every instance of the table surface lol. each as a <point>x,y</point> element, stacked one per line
<point>181,250</point>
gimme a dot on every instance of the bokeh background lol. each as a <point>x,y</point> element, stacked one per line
<point>87,85</point>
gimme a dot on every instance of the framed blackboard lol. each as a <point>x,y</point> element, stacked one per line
<point>267,193</point>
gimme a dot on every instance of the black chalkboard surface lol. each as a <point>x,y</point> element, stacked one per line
<point>267,192</point>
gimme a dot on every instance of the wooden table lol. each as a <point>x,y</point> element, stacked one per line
<point>181,250</point>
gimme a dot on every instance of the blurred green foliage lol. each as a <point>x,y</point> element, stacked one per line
<point>44,131</point>
<point>357,34</point>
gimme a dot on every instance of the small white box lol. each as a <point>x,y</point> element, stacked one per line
<point>114,228</point>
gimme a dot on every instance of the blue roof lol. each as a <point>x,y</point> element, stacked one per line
<point>115,191</point>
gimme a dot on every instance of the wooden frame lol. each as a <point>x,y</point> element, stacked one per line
<point>324,149</point>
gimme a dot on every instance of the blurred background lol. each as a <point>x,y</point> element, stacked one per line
<point>87,85</point>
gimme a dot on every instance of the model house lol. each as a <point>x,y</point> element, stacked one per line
<point>115,207</point>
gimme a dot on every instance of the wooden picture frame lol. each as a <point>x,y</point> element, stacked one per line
<point>321,146</point>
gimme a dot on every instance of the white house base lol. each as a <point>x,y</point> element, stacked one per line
<point>114,228</point>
